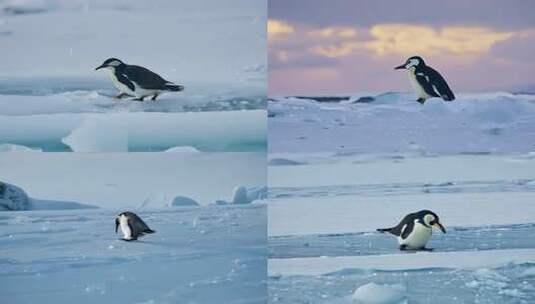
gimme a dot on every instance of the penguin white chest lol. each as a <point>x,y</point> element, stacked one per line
<point>125,228</point>
<point>120,86</point>
<point>418,237</point>
<point>416,86</point>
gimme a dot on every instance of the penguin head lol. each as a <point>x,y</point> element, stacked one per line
<point>110,63</point>
<point>414,61</point>
<point>430,219</point>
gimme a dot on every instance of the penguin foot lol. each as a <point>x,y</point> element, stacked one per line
<point>403,247</point>
<point>121,95</point>
<point>140,98</point>
<point>421,100</point>
<point>154,97</point>
<point>426,249</point>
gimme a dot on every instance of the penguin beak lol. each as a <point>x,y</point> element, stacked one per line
<point>116,225</point>
<point>100,67</point>
<point>401,67</point>
<point>439,226</point>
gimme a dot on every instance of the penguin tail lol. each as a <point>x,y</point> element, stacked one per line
<point>383,230</point>
<point>149,231</point>
<point>173,87</point>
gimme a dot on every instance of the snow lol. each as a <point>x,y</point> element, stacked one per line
<point>496,122</point>
<point>182,149</point>
<point>340,168</point>
<point>199,254</point>
<point>401,262</point>
<point>57,101</point>
<point>327,196</point>
<point>372,293</point>
<point>121,132</point>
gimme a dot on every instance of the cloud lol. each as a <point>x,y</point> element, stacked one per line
<point>416,39</point>
<point>335,31</point>
<point>278,28</point>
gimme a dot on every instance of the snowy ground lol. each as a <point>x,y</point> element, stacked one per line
<point>323,211</point>
<point>340,170</point>
<point>210,253</point>
<point>394,123</point>
<point>216,49</point>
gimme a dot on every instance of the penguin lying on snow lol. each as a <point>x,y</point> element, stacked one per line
<point>415,229</point>
<point>133,80</point>
<point>425,81</point>
<point>132,226</point>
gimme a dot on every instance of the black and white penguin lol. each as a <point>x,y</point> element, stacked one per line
<point>136,81</point>
<point>415,229</point>
<point>132,226</point>
<point>425,81</point>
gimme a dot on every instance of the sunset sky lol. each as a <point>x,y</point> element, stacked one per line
<point>345,46</point>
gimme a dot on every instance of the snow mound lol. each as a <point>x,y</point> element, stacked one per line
<point>239,195</point>
<point>183,201</point>
<point>182,149</point>
<point>373,293</point>
<point>243,195</point>
<point>17,148</point>
<point>257,193</point>
<point>13,198</point>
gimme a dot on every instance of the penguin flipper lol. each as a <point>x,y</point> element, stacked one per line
<point>426,85</point>
<point>407,229</point>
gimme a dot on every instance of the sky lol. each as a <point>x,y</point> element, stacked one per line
<point>347,46</point>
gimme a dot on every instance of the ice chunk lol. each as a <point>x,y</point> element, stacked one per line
<point>256,193</point>
<point>373,293</point>
<point>13,198</point>
<point>183,201</point>
<point>182,149</point>
<point>98,134</point>
<point>239,195</point>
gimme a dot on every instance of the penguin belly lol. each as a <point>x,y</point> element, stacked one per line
<point>120,86</point>
<point>416,86</point>
<point>140,92</point>
<point>125,228</point>
<point>418,237</point>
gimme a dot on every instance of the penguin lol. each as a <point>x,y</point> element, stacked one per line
<point>415,229</point>
<point>136,81</point>
<point>132,226</point>
<point>426,81</point>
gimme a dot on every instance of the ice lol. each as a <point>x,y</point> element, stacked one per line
<point>239,195</point>
<point>373,293</point>
<point>323,214</point>
<point>120,132</point>
<point>183,201</point>
<point>17,148</point>
<point>495,122</point>
<point>182,149</point>
<point>13,197</point>
<point>132,180</point>
<point>199,254</point>
<point>402,262</point>
<point>80,259</point>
